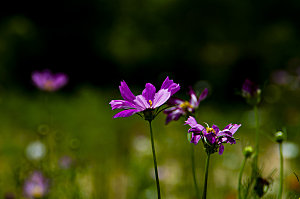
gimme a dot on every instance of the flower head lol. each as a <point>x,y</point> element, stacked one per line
<point>146,102</point>
<point>251,92</point>
<point>65,162</point>
<point>280,136</point>
<point>212,137</point>
<point>36,186</point>
<point>181,107</point>
<point>48,81</point>
<point>248,151</point>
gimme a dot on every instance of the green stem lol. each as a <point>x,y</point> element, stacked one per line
<point>206,176</point>
<point>281,172</point>
<point>240,178</point>
<point>194,170</point>
<point>155,163</point>
<point>257,136</point>
<point>254,164</point>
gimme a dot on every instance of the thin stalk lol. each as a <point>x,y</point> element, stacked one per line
<point>256,136</point>
<point>194,170</point>
<point>206,176</point>
<point>254,163</point>
<point>240,177</point>
<point>281,172</point>
<point>158,111</point>
<point>49,139</point>
<point>155,163</point>
<point>296,177</point>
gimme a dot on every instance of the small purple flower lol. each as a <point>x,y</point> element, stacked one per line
<point>36,186</point>
<point>250,89</point>
<point>212,137</point>
<point>148,100</point>
<point>48,81</point>
<point>181,107</point>
<point>251,92</point>
<point>65,162</point>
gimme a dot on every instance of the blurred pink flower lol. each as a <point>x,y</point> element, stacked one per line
<point>36,186</point>
<point>48,81</point>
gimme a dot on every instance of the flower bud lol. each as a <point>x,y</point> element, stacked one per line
<point>251,92</point>
<point>248,151</point>
<point>279,136</point>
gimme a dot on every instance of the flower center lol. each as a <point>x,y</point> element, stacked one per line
<point>151,103</point>
<point>185,105</point>
<point>210,130</point>
<point>37,192</point>
<point>49,85</point>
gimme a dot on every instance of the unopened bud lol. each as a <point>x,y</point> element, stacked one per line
<point>248,151</point>
<point>279,136</point>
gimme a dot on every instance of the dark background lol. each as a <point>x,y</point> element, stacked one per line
<point>102,42</point>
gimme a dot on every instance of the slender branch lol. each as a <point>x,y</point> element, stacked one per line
<point>281,172</point>
<point>206,176</point>
<point>155,163</point>
<point>194,170</point>
<point>257,135</point>
<point>158,111</point>
<point>240,177</point>
<point>296,177</point>
<point>139,114</point>
<point>255,169</point>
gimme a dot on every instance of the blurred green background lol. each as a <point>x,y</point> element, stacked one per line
<point>98,43</point>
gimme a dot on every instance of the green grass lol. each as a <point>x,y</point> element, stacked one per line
<point>112,157</point>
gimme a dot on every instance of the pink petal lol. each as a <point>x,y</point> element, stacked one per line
<point>125,92</point>
<point>175,101</point>
<point>203,94</point>
<point>234,128</point>
<point>193,123</point>
<point>170,86</point>
<point>194,100</point>
<point>149,92</point>
<point>141,103</point>
<point>121,104</point>
<point>221,149</point>
<point>195,138</point>
<point>126,113</point>
<point>161,97</point>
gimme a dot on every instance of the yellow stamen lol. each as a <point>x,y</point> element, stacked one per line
<point>49,85</point>
<point>185,105</point>
<point>210,130</point>
<point>151,103</point>
<point>37,192</point>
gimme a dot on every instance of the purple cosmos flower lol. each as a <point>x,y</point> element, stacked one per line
<point>251,92</point>
<point>48,81</point>
<point>212,137</point>
<point>36,186</point>
<point>181,107</point>
<point>148,100</point>
<point>250,89</point>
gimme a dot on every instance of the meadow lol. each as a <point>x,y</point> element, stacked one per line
<point>83,152</point>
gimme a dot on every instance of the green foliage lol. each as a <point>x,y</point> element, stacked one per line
<point>112,157</point>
